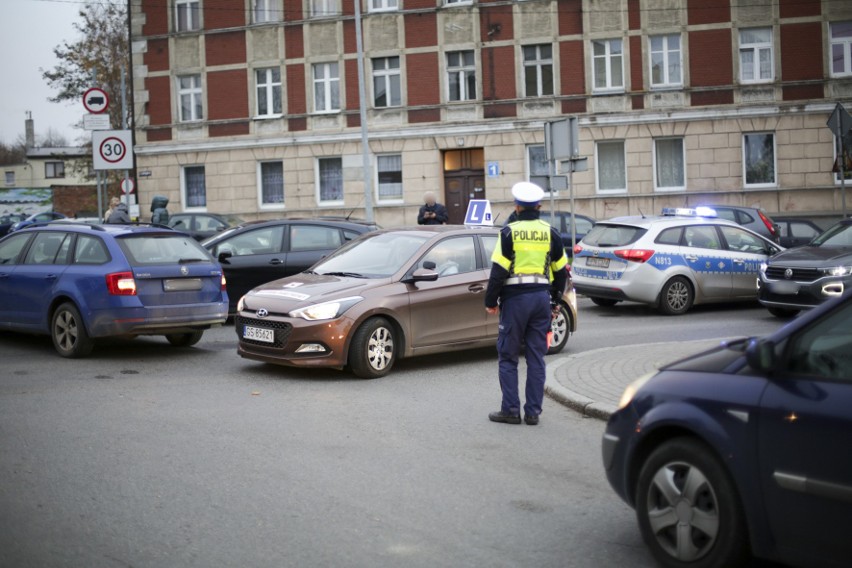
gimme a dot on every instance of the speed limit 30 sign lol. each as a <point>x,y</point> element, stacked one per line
<point>112,150</point>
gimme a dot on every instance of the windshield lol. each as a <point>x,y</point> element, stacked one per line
<point>839,235</point>
<point>374,256</point>
<point>162,249</point>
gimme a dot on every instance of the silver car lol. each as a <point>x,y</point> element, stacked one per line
<point>673,261</point>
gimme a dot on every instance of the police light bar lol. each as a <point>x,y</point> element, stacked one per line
<point>689,212</point>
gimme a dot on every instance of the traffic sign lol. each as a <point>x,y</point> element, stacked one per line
<point>127,186</point>
<point>479,213</point>
<point>112,150</point>
<point>95,100</point>
<point>840,122</point>
<point>96,122</point>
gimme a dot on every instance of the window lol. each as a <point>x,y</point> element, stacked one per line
<point>268,91</point>
<point>386,88</point>
<point>670,236</point>
<point>824,349</point>
<point>802,230</point>
<point>457,2</point>
<point>665,61</point>
<point>330,179</point>
<point>538,70</point>
<point>452,256</point>
<point>189,95</point>
<point>259,241</point>
<point>46,248</point>
<point>10,178</point>
<point>740,240</point>
<point>537,166</point>
<point>608,65</point>
<point>461,76</point>
<point>326,87</point>
<point>54,170</point>
<point>701,236</point>
<point>841,48</point>
<point>271,183</point>
<point>669,164</point>
<point>320,8</point>
<point>383,5</point>
<point>11,248</point>
<point>756,61</point>
<point>263,11</point>
<point>389,170</point>
<point>205,224</point>
<point>90,250</point>
<point>194,187</point>
<point>314,237</point>
<point>187,15</point>
<point>759,158</point>
<point>611,171</point>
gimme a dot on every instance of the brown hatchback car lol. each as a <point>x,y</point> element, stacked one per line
<point>383,296</point>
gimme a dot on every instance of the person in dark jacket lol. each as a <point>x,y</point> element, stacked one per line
<point>432,213</point>
<point>160,215</point>
<point>119,214</point>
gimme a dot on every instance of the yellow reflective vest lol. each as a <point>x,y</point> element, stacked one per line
<point>531,241</point>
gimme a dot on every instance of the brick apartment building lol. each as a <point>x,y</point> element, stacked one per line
<point>251,106</point>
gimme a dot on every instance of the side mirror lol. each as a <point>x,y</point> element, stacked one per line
<point>220,228</point>
<point>760,355</point>
<point>422,275</point>
<point>224,256</point>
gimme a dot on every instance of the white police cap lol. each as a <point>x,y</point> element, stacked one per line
<point>527,193</point>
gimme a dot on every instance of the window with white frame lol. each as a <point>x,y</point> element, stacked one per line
<point>386,86</point>
<point>669,164</point>
<point>194,187</point>
<point>329,181</point>
<point>54,169</point>
<point>189,97</point>
<point>263,11</point>
<point>666,66</point>
<point>756,61</point>
<point>271,184</point>
<point>537,166</point>
<point>187,15</point>
<point>457,2</point>
<point>759,158</point>
<point>326,87</point>
<point>10,178</point>
<point>389,172</point>
<point>608,64</point>
<point>538,70</point>
<point>461,75</point>
<point>321,8</point>
<point>611,173</point>
<point>841,48</point>
<point>383,5</point>
<point>268,91</point>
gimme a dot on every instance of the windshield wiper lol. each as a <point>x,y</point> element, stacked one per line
<point>188,260</point>
<point>349,274</point>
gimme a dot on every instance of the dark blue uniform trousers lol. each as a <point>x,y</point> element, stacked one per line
<point>524,318</point>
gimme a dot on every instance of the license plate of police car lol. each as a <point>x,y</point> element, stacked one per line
<point>259,334</point>
<point>597,262</point>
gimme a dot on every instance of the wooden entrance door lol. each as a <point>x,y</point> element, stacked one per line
<point>464,179</point>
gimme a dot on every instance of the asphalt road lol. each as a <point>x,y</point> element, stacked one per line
<point>146,455</point>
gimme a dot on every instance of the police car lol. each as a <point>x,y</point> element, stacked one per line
<point>681,258</point>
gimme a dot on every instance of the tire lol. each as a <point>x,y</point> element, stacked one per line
<point>604,302</point>
<point>676,297</point>
<point>561,328</point>
<point>185,339</point>
<point>783,313</point>
<point>373,349</point>
<point>688,509</point>
<point>68,332</point>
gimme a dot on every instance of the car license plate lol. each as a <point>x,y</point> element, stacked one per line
<point>259,334</point>
<point>597,262</point>
<point>785,288</point>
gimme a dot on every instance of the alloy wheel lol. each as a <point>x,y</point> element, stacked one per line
<point>66,330</point>
<point>559,327</point>
<point>677,295</point>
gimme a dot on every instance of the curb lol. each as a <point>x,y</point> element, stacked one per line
<point>574,400</point>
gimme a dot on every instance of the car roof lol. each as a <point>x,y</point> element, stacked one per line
<point>666,220</point>
<point>111,229</point>
<point>442,229</point>
<point>312,221</point>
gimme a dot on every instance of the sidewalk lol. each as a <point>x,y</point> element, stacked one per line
<point>592,382</point>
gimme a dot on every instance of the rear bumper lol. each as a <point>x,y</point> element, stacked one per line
<point>156,320</point>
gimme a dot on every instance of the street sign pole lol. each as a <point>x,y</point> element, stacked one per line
<point>840,123</point>
<point>551,162</point>
<point>842,176</point>
<point>123,126</point>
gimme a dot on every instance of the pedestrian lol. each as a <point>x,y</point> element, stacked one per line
<point>119,213</point>
<point>113,202</point>
<point>528,270</point>
<point>159,213</point>
<point>432,212</point>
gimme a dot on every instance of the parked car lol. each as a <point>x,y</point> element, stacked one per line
<point>743,450</point>
<point>78,283</point>
<point>44,217</point>
<point>202,226</point>
<point>387,295</point>
<point>6,222</point>
<point>261,251</point>
<point>804,277</point>
<point>684,257</point>
<point>561,221</point>
<point>751,218</point>
<point>795,231</point>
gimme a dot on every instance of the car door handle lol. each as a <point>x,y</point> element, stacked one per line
<point>276,261</point>
<point>691,258</point>
<point>739,261</point>
<point>50,277</point>
<point>476,288</point>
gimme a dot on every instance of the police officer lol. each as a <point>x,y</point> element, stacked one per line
<point>528,270</point>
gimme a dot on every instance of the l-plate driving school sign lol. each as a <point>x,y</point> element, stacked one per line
<point>479,213</point>
<point>112,150</point>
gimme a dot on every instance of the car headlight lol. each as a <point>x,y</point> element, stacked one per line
<point>633,388</point>
<point>838,271</point>
<point>326,310</point>
<point>241,305</point>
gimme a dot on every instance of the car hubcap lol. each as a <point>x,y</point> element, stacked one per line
<point>380,349</point>
<point>66,331</point>
<point>678,295</point>
<point>683,511</point>
<point>559,327</point>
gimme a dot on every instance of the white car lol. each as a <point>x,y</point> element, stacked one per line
<point>673,261</point>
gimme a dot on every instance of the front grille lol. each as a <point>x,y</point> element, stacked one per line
<point>282,331</point>
<point>799,274</point>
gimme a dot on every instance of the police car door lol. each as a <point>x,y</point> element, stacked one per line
<point>709,263</point>
<point>748,251</point>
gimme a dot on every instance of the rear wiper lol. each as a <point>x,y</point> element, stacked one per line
<point>349,274</point>
<point>188,260</point>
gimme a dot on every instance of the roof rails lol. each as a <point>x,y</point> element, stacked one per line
<point>71,222</point>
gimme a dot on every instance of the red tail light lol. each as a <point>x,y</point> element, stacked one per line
<point>121,284</point>
<point>769,224</point>
<point>223,283</point>
<point>578,249</point>
<point>634,255</point>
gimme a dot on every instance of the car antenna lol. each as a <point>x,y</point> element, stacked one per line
<point>640,212</point>
<point>354,208</point>
<point>497,217</point>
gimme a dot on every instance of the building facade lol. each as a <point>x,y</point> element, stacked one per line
<point>252,106</point>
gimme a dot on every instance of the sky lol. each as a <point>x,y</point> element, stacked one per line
<point>29,30</point>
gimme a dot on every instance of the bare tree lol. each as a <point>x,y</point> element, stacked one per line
<point>14,153</point>
<point>52,138</point>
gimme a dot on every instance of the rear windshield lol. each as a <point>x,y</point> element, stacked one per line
<point>604,235</point>
<point>149,249</point>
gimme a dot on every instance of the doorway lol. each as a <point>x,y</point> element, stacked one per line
<point>464,179</point>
